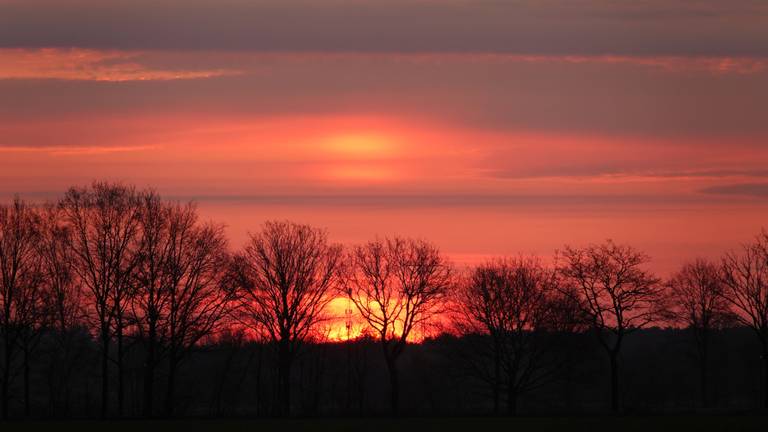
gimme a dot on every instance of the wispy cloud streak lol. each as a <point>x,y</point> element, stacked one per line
<point>75,150</point>
<point>90,65</point>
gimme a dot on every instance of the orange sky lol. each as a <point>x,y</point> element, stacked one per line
<point>573,125</point>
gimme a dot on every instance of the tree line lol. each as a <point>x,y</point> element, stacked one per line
<point>121,278</point>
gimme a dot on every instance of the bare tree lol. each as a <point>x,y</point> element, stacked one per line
<point>19,283</point>
<point>696,297</point>
<point>178,298</point>
<point>396,284</point>
<point>284,278</point>
<point>616,294</point>
<point>153,256</point>
<point>197,302</point>
<point>31,319</point>
<point>58,260</point>
<point>64,302</point>
<point>745,276</point>
<point>509,302</point>
<point>104,223</point>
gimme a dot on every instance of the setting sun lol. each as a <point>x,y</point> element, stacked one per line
<point>361,146</point>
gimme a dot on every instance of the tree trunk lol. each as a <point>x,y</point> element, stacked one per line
<point>702,338</point>
<point>70,365</point>
<point>614,381</point>
<point>59,375</point>
<point>511,399</point>
<point>765,378</point>
<point>284,379</point>
<point>394,384</point>
<point>27,400</point>
<point>6,376</point>
<point>149,373</point>
<point>259,397</point>
<point>348,403</point>
<point>171,389</point>
<point>496,377</point>
<point>120,375</point>
<point>104,372</point>
<point>703,382</point>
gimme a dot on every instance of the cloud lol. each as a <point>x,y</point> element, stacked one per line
<point>438,200</point>
<point>90,65</point>
<point>75,150</point>
<point>716,65</point>
<point>605,95</point>
<point>546,27</point>
<point>743,189</point>
<point>604,169</point>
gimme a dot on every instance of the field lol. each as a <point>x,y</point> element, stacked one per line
<point>537,424</point>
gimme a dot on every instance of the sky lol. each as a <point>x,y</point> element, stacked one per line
<point>488,127</point>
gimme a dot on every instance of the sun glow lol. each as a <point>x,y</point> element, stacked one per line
<point>343,322</point>
<point>361,146</point>
<point>361,156</point>
<point>369,172</point>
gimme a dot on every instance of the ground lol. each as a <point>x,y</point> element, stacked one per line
<point>537,424</point>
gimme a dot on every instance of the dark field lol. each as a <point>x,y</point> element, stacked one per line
<point>538,424</point>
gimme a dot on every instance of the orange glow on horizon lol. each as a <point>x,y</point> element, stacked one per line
<point>361,146</point>
<point>343,322</point>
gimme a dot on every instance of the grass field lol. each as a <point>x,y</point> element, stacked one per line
<point>534,424</point>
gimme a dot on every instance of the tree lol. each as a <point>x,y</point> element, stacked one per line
<point>64,306</point>
<point>745,276</point>
<point>31,317</point>
<point>20,279</point>
<point>197,300</point>
<point>58,260</point>
<point>150,279</point>
<point>283,280</point>
<point>104,223</point>
<point>395,285</point>
<point>696,297</point>
<point>510,302</point>
<point>178,298</point>
<point>615,293</point>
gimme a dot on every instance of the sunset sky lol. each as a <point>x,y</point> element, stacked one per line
<point>489,127</point>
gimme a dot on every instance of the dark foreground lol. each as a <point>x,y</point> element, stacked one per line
<point>537,424</point>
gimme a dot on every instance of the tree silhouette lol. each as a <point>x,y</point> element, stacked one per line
<point>123,279</point>
<point>696,297</point>
<point>64,301</point>
<point>20,280</point>
<point>615,293</point>
<point>104,223</point>
<point>510,301</point>
<point>31,321</point>
<point>197,301</point>
<point>151,295</point>
<point>178,297</point>
<point>56,253</point>
<point>396,284</point>
<point>284,280</point>
<point>745,276</point>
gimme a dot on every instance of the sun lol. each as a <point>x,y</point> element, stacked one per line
<point>343,321</point>
<point>365,156</point>
<point>357,146</point>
